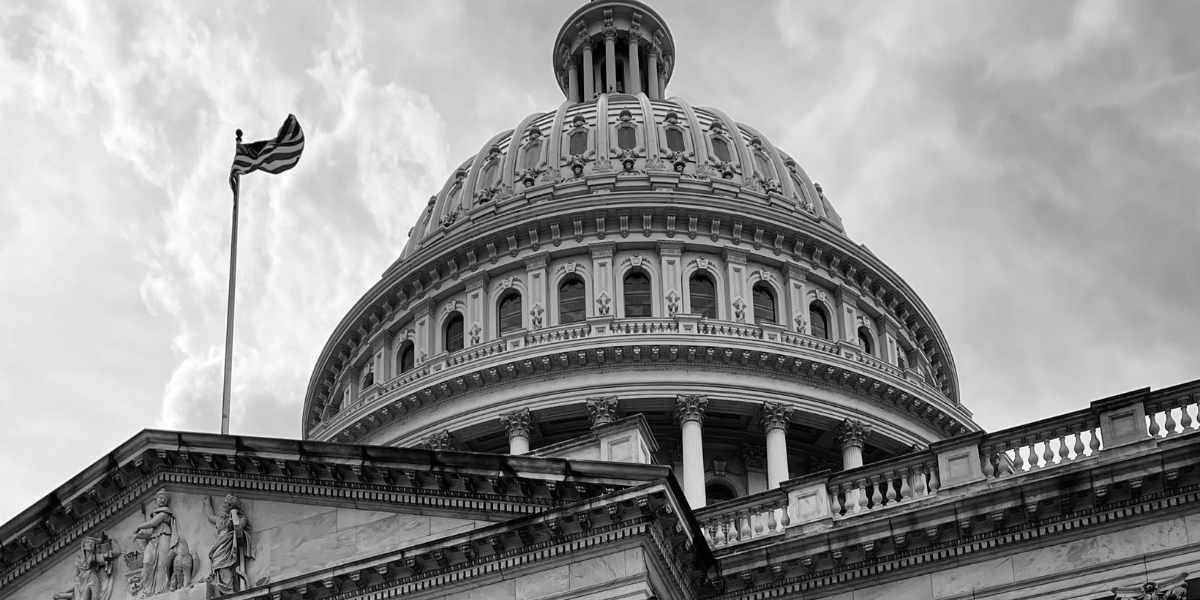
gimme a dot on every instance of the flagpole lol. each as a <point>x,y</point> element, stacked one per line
<point>229,310</point>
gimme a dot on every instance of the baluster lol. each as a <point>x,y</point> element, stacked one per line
<point>876,493</point>
<point>836,499</point>
<point>720,537</point>
<point>1078,445</point>
<point>745,531</point>
<point>772,524</point>
<point>1064,451</point>
<point>787,514</point>
<point>934,483</point>
<point>906,492</point>
<point>1094,440</point>
<point>1185,423</point>
<point>890,487</point>
<point>1170,428</point>
<point>1048,452</point>
<point>705,526</point>
<point>1154,425</point>
<point>987,456</point>
<point>919,480</point>
<point>863,499</point>
<point>1018,460</point>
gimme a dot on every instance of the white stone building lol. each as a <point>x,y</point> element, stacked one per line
<point>629,352</point>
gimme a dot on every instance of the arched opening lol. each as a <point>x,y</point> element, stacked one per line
<point>453,332</point>
<point>716,491</point>
<point>407,357</point>
<point>510,312</point>
<point>818,321</point>
<point>703,295</point>
<point>764,304</point>
<point>637,294</point>
<point>572,304</point>
<point>866,340</point>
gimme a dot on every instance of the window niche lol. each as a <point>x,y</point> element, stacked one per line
<point>636,289</point>
<point>406,357</point>
<point>572,300</point>
<point>452,333</point>
<point>764,304</point>
<point>818,319</point>
<point>702,295</point>
<point>509,313</point>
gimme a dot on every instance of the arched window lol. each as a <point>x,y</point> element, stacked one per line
<point>818,320</point>
<point>572,304</point>
<point>368,380</point>
<point>453,332</point>
<point>721,149</point>
<point>675,140</point>
<point>716,491</point>
<point>637,294</point>
<point>864,338</point>
<point>579,142</point>
<point>408,357</point>
<point>626,138</point>
<point>764,304</point>
<point>533,152</point>
<point>510,312</point>
<point>703,295</point>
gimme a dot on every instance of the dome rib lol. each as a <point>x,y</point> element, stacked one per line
<point>699,139</point>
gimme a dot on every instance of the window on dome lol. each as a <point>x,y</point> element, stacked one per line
<point>866,341</point>
<point>675,140</point>
<point>764,304</point>
<point>703,295</point>
<point>818,321</point>
<point>637,294</point>
<point>572,306</point>
<point>491,177</point>
<point>408,357</point>
<point>626,138</point>
<point>718,492</point>
<point>721,149</point>
<point>453,332</point>
<point>763,166</point>
<point>579,141</point>
<point>510,312</point>
<point>533,152</point>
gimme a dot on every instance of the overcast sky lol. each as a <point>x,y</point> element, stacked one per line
<point>1030,168</point>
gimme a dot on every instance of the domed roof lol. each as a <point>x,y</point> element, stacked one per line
<point>614,137</point>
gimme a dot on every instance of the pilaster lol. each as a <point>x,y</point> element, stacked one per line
<point>475,328</point>
<point>739,297</point>
<point>847,307</point>
<point>536,286</point>
<point>602,278</point>
<point>797,298</point>
<point>670,254</point>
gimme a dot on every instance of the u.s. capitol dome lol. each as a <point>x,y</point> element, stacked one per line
<point>630,253</point>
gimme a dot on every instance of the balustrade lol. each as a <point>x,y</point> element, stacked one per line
<point>874,487</point>
<point>1173,415</point>
<point>745,519</point>
<point>1041,445</point>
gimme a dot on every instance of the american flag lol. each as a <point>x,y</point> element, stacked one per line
<point>272,156</point>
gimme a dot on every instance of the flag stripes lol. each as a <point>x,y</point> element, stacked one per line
<point>273,156</point>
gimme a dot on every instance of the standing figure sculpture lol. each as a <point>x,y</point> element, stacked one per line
<point>232,551</point>
<point>163,543</point>
<point>93,571</point>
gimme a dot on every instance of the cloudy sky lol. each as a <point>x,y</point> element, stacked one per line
<point>1029,167</point>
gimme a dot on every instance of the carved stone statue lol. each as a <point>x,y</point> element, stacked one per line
<point>93,571</point>
<point>166,551</point>
<point>232,552</point>
<point>1174,588</point>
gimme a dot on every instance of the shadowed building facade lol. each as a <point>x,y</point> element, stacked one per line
<point>630,351</point>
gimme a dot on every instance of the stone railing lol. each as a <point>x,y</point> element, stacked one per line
<point>884,485</point>
<point>1129,423</point>
<point>1041,445</point>
<point>752,517</point>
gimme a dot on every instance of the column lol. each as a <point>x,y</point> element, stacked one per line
<point>589,79</point>
<point>635,69</point>
<point>775,419</point>
<point>519,425</point>
<point>671,255</point>
<point>739,298</point>
<point>755,459</point>
<point>652,75</point>
<point>662,80</point>
<point>602,410</point>
<point>689,411</point>
<point>610,60</point>
<point>572,79</point>
<point>535,269</point>
<point>850,436</point>
<point>475,321</point>
<point>441,441</point>
<point>797,301</point>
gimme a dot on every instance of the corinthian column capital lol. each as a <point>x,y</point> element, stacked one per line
<point>518,423</point>
<point>602,411</point>
<point>441,441</point>
<point>690,407</point>
<point>775,416</point>
<point>851,433</point>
